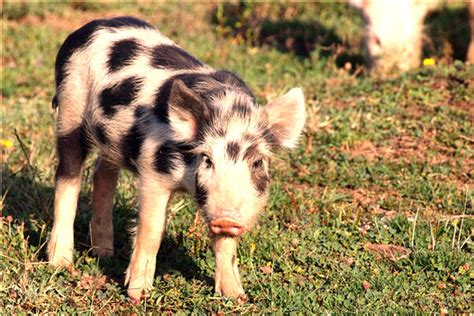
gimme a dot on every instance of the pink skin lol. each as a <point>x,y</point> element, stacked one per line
<point>227,223</point>
<point>226,226</point>
<point>224,229</point>
<point>227,278</point>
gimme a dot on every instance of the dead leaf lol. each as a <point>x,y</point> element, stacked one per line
<point>366,285</point>
<point>295,242</point>
<point>348,260</point>
<point>89,281</point>
<point>266,269</point>
<point>390,252</point>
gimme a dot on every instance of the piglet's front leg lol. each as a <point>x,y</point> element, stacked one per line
<point>150,231</point>
<point>227,277</point>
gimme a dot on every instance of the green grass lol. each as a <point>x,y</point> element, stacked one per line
<point>382,163</point>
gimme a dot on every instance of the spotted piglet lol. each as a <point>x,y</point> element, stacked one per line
<point>178,124</point>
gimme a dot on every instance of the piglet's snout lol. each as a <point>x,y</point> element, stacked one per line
<point>226,226</point>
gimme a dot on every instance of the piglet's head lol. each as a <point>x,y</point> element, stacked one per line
<point>234,140</point>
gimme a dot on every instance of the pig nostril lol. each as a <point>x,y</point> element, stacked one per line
<point>225,226</point>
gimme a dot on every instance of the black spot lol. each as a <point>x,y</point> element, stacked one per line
<point>251,152</point>
<point>214,93</point>
<point>206,86</point>
<point>83,37</point>
<point>121,94</point>
<point>189,158</point>
<point>131,146</point>
<point>250,138</point>
<point>162,97</point>
<point>224,80</point>
<point>73,42</point>
<point>122,54</point>
<point>101,134</point>
<point>260,181</point>
<point>186,151</point>
<point>219,131</point>
<point>233,150</point>
<point>167,158</point>
<point>270,137</point>
<point>201,193</point>
<point>228,77</point>
<point>72,151</point>
<point>124,21</point>
<point>258,174</point>
<point>233,80</point>
<point>214,82</point>
<point>242,110</point>
<point>173,57</point>
<point>140,111</point>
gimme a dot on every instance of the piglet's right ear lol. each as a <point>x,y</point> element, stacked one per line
<point>185,112</point>
<point>285,117</point>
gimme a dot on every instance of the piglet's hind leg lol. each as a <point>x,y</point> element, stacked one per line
<point>101,227</point>
<point>72,151</point>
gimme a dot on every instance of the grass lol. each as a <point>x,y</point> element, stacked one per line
<point>372,213</point>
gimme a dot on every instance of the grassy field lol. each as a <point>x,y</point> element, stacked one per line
<point>372,213</point>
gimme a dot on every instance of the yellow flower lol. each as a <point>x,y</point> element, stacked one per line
<point>6,143</point>
<point>429,62</point>
<point>252,247</point>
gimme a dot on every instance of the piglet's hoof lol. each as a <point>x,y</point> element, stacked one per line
<point>239,298</point>
<point>137,295</point>
<point>242,299</point>
<point>232,290</point>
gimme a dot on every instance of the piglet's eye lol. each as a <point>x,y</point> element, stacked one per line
<point>207,162</point>
<point>257,164</point>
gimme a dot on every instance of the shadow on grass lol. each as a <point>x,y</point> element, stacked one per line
<point>28,200</point>
<point>288,35</point>
<point>448,33</point>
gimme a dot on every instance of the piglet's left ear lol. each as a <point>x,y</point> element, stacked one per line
<point>285,118</point>
<point>186,111</point>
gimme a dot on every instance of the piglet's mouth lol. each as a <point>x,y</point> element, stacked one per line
<point>226,226</point>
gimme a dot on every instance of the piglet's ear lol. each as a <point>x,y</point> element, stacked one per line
<point>186,111</point>
<point>285,118</point>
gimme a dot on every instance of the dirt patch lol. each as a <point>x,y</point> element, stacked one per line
<point>388,252</point>
<point>465,106</point>
<point>368,197</point>
<point>372,199</point>
<point>402,149</point>
<point>364,148</point>
<point>67,22</point>
<point>71,19</point>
